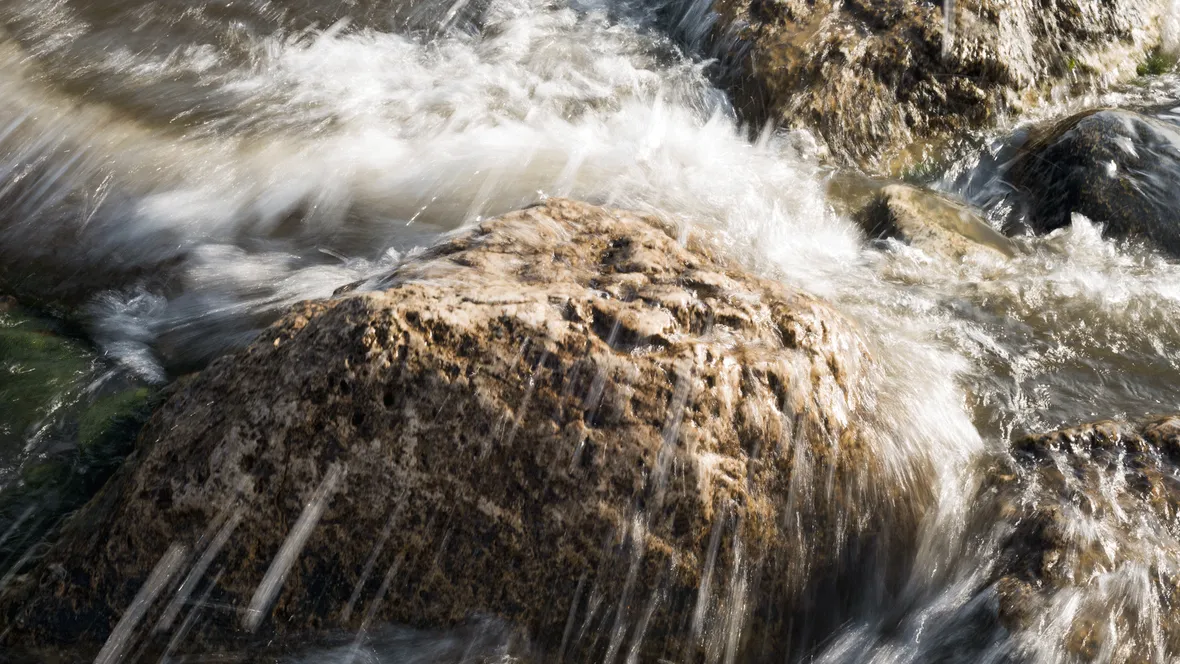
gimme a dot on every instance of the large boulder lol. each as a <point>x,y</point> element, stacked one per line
<point>1117,168</point>
<point>1090,567</point>
<point>564,417</point>
<point>880,79</point>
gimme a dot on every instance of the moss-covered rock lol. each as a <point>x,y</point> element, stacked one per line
<point>66,423</point>
<point>41,370</point>
<point>88,442</point>
<point>110,416</point>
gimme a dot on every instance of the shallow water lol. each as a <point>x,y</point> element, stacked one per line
<point>174,174</point>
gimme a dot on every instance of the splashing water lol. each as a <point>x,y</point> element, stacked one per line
<point>948,27</point>
<point>175,176</point>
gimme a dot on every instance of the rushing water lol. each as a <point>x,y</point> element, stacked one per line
<point>173,173</point>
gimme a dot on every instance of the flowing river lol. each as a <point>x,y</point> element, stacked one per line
<point>174,173</point>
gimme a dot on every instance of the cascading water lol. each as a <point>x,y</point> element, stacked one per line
<point>174,174</point>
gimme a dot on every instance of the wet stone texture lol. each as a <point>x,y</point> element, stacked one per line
<point>936,224</point>
<point>564,417</point>
<point>1090,570</point>
<point>1117,168</point>
<point>880,82</point>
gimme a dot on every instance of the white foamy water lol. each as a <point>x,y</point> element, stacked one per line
<point>177,180</point>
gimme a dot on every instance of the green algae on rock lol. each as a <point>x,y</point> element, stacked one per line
<point>563,417</point>
<point>66,423</point>
<point>41,371</point>
<point>107,416</point>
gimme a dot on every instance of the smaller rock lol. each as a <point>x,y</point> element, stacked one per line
<point>1091,568</point>
<point>66,423</point>
<point>1117,168</point>
<point>931,221</point>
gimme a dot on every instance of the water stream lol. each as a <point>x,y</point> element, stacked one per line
<point>173,173</point>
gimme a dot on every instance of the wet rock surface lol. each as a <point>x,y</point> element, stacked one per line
<point>564,417</point>
<point>932,222</point>
<point>881,79</point>
<point>66,423</point>
<point>1115,167</point>
<point>1091,566</point>
<point>41,371</point>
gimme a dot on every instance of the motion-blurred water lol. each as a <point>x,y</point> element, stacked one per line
<point>173,173</point>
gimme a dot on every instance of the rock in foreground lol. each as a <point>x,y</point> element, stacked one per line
<point>878,79</point>
<point>563,417</point>
<point>1090,572</point>
<point>1117,168</point>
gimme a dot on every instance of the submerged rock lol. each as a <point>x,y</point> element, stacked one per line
<point>563,417</point>
<point>1090,569</point>
<point>932,222</point>
<point>66,423</point>
<point>41,370</point>
<point>878,79</point>
<point>1117,168</point>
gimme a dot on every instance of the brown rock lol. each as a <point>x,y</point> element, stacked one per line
<point>933,222</point>
<point>1091,568</point>
<point>563,417</point>
<point>881,83</point>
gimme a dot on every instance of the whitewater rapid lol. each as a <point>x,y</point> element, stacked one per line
<point>175,174</point>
